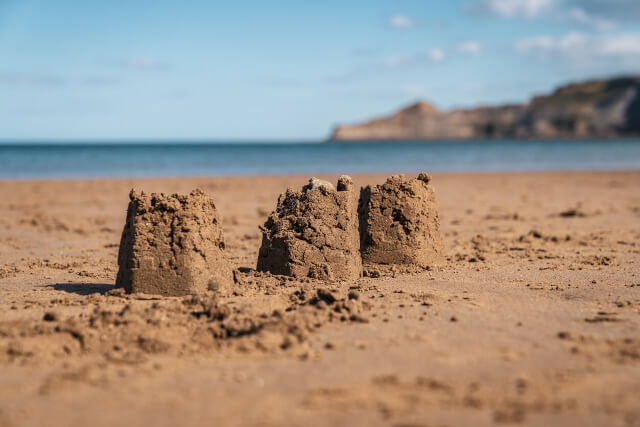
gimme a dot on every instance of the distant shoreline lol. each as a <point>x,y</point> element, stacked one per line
<point>278,143</point>
<point>633,138</point>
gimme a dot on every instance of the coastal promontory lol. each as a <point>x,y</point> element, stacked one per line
<point>594,109</point>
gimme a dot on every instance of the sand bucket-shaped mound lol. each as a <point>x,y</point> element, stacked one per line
<point>313,233</point>
<point>173,245</point>
<point>399,223</point>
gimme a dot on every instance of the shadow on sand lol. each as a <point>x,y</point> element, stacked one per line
<point>83,288</point>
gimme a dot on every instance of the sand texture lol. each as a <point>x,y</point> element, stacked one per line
<point>532,319</point>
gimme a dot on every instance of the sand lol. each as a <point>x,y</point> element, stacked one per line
<point>173,245</point>
<point>313,233</point>
<point>534,319</point>
<point>399,223</point>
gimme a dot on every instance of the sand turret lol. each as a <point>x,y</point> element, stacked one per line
<point>173,245</point>
<point>313,233</point>
<point>399,223</point>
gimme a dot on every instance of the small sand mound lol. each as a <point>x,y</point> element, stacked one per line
<point>313,233</point>
<point>173,245</point>
<point>399,223</point>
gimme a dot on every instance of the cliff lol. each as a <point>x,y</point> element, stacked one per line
<point>598,108</point>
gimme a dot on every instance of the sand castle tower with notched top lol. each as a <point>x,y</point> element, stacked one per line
<point>313,233</point>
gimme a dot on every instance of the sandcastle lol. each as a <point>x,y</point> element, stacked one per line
<point>313,233</point>
<point>173,245</point>
<point>399,223</point>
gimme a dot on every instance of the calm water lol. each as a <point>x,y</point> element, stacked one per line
<point>182,159</point>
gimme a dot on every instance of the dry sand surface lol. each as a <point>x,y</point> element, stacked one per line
<point>534,319</point>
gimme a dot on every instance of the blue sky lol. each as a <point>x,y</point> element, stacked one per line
<point>287,70</point>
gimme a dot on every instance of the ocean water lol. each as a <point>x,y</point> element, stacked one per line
<point>37,161</point>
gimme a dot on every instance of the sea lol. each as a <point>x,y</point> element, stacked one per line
<point>169,159</point>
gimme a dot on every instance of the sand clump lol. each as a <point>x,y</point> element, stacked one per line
<point>399,223</point>
<point>173,245</point>
<point>313,233</point>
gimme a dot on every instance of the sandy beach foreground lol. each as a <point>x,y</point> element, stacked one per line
<point>535,319</point>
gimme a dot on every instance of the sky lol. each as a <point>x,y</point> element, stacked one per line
<point>287,70</point>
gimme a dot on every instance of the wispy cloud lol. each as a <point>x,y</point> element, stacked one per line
<point>401,21</point>
<point>547,45</point>
<point>414,90</point>
<point>603,51</point>
<point>16,79</point>
<point>470,47</point>
<point>399,61</point>
<point>436,55</point>
<point>101,81</point>
<point>583,17</point>
<point>145,63</point>
<point>611,10</point>
<point>365,52</point>
<point>28,80</point>
<point>512,8</point>
<point>601,15</point>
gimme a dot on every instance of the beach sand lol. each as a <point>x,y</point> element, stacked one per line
<point>535,319</point>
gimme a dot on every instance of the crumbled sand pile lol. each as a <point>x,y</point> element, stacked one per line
<point>313,233</point>
<point>173,245</point>
<point>121,329</point>
<point>399,223</point>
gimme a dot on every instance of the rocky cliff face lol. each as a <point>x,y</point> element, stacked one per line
<point>599,108</point>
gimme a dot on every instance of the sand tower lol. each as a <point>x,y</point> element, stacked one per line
<point>399,223</point>
<point>173,245</point>
<point>313,233</point>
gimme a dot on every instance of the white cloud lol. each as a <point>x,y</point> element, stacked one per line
<point>400,61</point>
<point>515,8</point>
<point>146,63</point>
<point>470,46</point>
<point>401,21</point>
<point>580,16</point>
<point>548,44</point>
<point>601,15</point>
<point>625,44</point>
<point>436,55</point>
<point>604,51</point>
